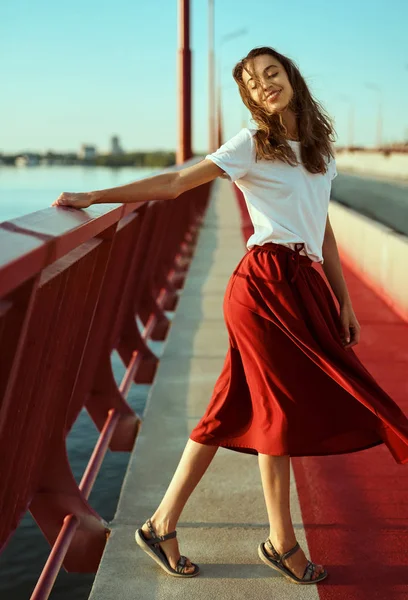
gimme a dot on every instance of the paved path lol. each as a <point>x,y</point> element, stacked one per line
<point>225,518</point>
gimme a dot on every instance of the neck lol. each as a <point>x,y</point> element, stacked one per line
<point>289,120</point>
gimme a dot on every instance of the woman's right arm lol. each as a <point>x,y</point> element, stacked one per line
<point>164,186</point>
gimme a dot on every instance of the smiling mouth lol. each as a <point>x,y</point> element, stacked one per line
<point>272,97</point>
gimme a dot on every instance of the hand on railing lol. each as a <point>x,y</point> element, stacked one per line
<point>74,199</point>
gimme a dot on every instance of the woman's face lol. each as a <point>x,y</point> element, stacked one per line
<point>274,91</point>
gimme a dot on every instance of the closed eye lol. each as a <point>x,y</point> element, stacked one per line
<point>269,76</point>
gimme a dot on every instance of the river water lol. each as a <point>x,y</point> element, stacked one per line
<point>25,190</point>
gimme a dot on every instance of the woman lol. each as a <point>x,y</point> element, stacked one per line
<point>291,384</point>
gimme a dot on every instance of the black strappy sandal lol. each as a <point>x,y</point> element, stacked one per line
<point>276,562</point>
<point>152,547</point>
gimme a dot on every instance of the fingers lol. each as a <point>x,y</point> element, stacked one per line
<point>60,201</point>
<point>355,338</point>
<point>345,335</point>
<point>66,199</point>
<point>74,199</point>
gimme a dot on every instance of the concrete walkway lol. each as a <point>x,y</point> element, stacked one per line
<point>225,517</point>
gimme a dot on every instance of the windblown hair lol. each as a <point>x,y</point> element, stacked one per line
<point>315,127</point>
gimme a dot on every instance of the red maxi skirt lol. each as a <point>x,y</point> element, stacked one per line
<point>288,386</point>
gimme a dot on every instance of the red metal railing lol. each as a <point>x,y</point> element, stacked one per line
<point>72,283</point>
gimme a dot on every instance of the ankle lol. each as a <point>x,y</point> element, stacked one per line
<point>163,523</point>
<point>282,543</point>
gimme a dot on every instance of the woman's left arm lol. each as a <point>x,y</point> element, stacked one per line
<point>334,274</point>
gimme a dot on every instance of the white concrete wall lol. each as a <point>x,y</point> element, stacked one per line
<point>394,166</point>
<point>374,251</point>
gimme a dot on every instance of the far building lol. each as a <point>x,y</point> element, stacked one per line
<point>87,152</point>
<point>115,145</point>
<point>26,160</point>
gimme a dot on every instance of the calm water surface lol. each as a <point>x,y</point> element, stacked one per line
<point>25,190</point>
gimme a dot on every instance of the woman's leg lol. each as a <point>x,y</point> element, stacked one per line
<point>275,475</point>
<point>193,464</point>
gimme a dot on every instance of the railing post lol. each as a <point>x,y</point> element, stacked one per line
<point>184,151</point>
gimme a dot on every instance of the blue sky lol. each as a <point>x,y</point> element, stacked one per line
<point>81,71</point>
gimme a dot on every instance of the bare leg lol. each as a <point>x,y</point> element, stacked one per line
<point>275,475</point>
<point>193,463</point>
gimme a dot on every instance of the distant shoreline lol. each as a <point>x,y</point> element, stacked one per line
<point>131,159</point>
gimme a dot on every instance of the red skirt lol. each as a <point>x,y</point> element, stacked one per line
<point>288,386</point>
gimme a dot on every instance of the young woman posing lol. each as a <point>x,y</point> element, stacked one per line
<point>291,385</point>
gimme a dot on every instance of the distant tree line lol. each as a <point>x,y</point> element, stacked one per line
<point>127,159</point>
<point>137,159</point>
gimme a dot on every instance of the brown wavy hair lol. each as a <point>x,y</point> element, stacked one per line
<point>315,126</point>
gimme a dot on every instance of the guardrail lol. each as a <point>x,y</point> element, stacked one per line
<point>376,252</point>
<point>72,284</point>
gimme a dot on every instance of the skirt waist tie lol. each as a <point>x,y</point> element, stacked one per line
<point>294,256</point>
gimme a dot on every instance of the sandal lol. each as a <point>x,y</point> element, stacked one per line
<point>152,547</point>
<point>276,562</point>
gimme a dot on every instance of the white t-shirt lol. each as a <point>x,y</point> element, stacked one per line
<point>287,205</point>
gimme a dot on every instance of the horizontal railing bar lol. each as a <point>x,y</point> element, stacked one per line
<point>128,377</point>
<point>98,454</point>
<point>54,562</point>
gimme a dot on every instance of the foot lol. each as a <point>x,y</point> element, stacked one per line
<point>296,563</point>
<point>169,547</point>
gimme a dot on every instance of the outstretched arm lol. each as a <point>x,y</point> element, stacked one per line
<point>164,186</point>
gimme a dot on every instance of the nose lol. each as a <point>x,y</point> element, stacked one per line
<point>267,88</point>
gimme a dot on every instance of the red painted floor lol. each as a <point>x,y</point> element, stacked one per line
<point>355,506</point>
